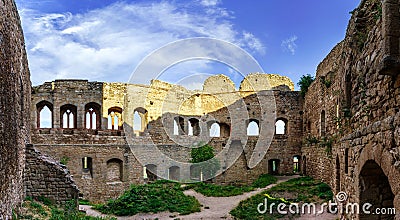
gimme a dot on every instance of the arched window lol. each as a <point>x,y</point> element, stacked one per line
<point>68,116</point>
<point>280,126</point>
<point>92,116</point>
<point>194,127</point>
<point>253,128</point>
<point>139,119</point>
<point>115,118</point>
<point>179,125</point>
<point>215,130</point>
<point>44,114</point>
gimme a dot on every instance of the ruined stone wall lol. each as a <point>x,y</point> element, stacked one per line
<point>14,108</point>
<point>361,104</point>
<point>46,177</point>
<point>98,182</point>
<point>94,155</point>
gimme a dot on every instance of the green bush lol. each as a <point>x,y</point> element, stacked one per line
<point>151,198</point>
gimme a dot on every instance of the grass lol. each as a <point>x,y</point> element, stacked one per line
<point>213,190</point>
<point>299,190</point>
<point>42,208</point>
<point>151,198</point>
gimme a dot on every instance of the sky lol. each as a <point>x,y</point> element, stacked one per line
<point>106,41</point>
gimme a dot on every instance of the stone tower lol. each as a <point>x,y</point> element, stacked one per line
<point>14,108</point>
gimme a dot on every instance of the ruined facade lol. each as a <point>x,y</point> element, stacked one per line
<point>14,108</point>
<point>345,131</point>
<point>108,133</point>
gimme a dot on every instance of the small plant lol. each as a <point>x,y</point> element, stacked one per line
<point>64,160</point>
<point>309,140</point>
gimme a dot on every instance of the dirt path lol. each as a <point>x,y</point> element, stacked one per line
<point>213,207</point>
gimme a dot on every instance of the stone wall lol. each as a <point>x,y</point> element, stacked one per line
<point>352,110</point>
<point>14,108</point>
<point>94,155</point>
<point>46,177</point>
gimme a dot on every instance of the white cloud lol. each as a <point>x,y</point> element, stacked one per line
<point>210,2</point>
<point>290,44</point>
<point>106,44</point>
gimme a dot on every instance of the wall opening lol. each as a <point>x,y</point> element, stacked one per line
<point>151,172</point>
<point>68,116</point>
<point>225,130</point>
<point>273,166</point>
<point>174,173</point>
<point>296,164</point>
<point>346,160</point>
<point>140,119</point>
<point>304,162</point>
<point>44,116</point>
<point>115,118</point>
<point>215,130</point>
<point>253,128</point>
<point>193,127</point>
<point>176,128</point>
<point>375,189</point>
<point>281,126</point>
<point>92,116</point>
<point>179,126</point>
<point>337,179</point>
<point>323,125</point>
<point>87,167</point>
<point>114,170</point>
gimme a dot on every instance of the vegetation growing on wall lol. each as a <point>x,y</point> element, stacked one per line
<point>304,83</point>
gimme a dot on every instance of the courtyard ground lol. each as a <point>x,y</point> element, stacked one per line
<point>213,207</point>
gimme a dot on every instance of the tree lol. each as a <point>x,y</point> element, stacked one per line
<point>305,82</point>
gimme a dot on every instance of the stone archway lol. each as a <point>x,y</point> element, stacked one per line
<point>375,189</point>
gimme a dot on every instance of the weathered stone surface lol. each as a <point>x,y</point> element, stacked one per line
<point>46,177</point>
<point>14,108</point>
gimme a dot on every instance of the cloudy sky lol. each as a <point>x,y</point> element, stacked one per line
<point>103,40</point>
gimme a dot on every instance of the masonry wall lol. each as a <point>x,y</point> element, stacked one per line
<point>46,177</point>
<point>14,108</point>
<point>360,94</point>
<point>105,161</point>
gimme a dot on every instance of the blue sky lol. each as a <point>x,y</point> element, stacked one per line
<point>105,40</point>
